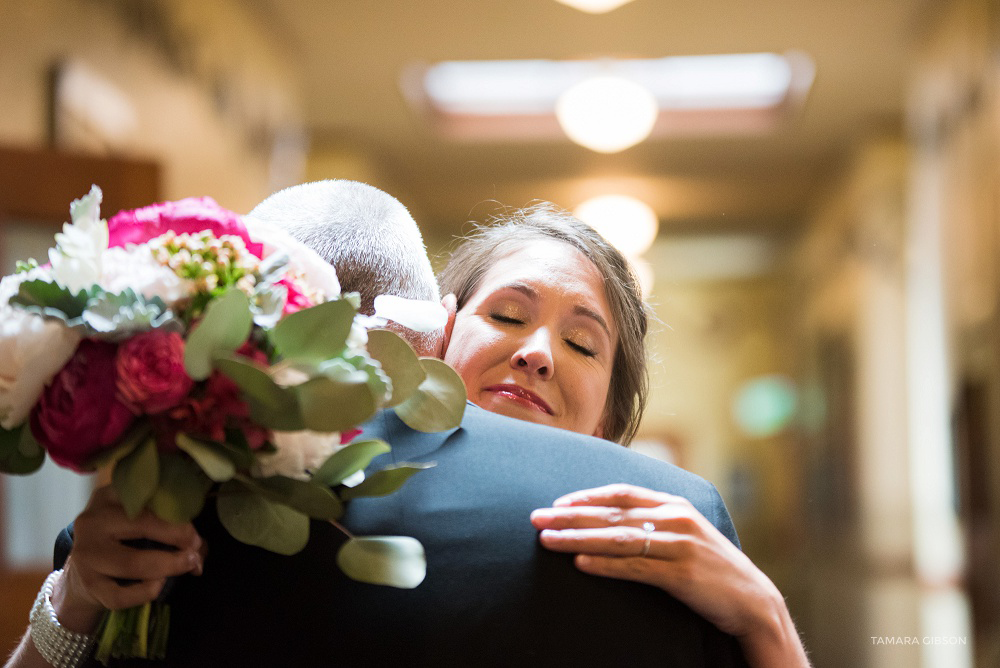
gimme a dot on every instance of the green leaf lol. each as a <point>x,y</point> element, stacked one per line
<point>349,460</point>
<point>316,333</point>
<point>136,477</point>
<point>395,561</point>
<point>181,493</point>
<point>384,482</point>
<point>326,405</point>
<point>311,498</point>
<point>215,463</point>
<point>271,405</point>
<point>126,445</point>
<point>52,299</point>
<point>224,327</point>
<point>399,361</point>
<point>116,317</point>
<point>20,454</point>
<point>251,518</point>
<point>438,403</point>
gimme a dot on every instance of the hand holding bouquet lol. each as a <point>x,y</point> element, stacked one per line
<point>193,352</point>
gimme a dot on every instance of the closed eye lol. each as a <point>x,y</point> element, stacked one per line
<point>506,319</point>
<point>587,352</point>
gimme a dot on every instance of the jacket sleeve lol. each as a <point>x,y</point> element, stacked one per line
<point>64,543</point>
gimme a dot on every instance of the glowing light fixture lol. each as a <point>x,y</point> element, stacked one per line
<point>595,6</point>
<point>629,224</point>
<point>607,113</point>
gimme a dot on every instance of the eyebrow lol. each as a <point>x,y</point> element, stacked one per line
<point>578,309</point>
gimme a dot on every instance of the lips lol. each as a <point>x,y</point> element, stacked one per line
<point>521,396</point>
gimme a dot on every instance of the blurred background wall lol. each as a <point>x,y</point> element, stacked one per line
<point>825,282</point>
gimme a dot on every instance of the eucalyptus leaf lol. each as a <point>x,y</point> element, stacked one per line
<point>20,454</point>
<point>126,445</point>
<point>395,561</point>
<point>224,327</point>
<point>271,405</point>
<point>384,482</point>
<point>379,383</point>
<point>136,476</point>
<point>251,518</point>
<point>439,402</point>
<point>326,405</point>
<point>349,460</point>
<point>181,493</point>
<point>311,498</point>
<point>209,457</point>
<point>399,361</point>
<point>316,333</point>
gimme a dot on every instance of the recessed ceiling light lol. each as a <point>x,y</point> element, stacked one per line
<point>595,6</point>
<point>607,114</point>
<point>628,224</point>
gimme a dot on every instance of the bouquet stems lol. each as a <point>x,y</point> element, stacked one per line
<point>139,632</point>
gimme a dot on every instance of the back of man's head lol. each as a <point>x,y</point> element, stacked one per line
<point>365,233</point>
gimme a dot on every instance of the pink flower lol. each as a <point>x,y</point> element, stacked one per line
<point>151,376</point>
<point>296,300</point>
<point>348,436</point>
<point>79,414</point>
<point>191,215</point>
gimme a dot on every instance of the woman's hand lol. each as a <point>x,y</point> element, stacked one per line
<point>632,533</point>
<point>90,582</point>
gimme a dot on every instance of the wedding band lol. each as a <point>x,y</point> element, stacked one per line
<point>648,527</point>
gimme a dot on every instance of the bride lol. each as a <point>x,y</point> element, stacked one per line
<point>548,325</point>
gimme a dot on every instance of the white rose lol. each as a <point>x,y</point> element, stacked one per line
<point>32,350</point>
<point>299,453</point>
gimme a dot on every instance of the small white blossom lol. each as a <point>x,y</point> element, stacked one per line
<point>299,453</point>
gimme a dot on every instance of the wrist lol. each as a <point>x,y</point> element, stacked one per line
<point>58,645</point>
<point>75,612</point>
<point>771,639</point>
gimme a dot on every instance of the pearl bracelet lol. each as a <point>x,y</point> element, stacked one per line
<point>59,646</point>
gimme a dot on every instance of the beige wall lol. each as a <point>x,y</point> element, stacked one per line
<point>210,85</point>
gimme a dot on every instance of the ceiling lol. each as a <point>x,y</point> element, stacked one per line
<point>353,53</point>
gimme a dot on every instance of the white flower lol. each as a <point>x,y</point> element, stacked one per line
<point>135,267</point>
<point>76,259</point>
<point>318,273</point>
<point>299,453</point>
<point>32,350</point>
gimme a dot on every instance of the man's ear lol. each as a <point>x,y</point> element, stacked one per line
<point>450,304</point>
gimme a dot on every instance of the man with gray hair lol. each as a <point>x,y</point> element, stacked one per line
<point>492,595</point>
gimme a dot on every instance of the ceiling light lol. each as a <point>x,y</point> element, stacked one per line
<point>628,224</point>
<point>595,6</point>
<point>607,113</point>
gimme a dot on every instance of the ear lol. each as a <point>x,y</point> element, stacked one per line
<point>450,304</point>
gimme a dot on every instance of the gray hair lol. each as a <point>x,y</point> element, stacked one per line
<point>365,233</point>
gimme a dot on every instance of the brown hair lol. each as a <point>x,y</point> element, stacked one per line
<point>629,387</point>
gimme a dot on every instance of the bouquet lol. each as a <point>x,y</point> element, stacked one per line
<point>193,353</point>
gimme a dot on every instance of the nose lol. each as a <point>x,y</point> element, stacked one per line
<point>534,355</point>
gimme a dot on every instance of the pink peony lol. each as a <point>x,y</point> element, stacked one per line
<point>79,414</point>
<point>296,300</point>
<point>151,376</point>
<point>190,216</point>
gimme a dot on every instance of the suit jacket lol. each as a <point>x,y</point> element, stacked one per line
<point>492,595</point>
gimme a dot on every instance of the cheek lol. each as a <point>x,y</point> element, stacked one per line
<point>473,348</point>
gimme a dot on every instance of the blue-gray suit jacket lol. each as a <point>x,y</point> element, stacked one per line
<point>492,596</point>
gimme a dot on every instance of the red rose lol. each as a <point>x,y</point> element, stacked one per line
<point>79,413</point>
<point>150,369</point>
<point>186,216</point>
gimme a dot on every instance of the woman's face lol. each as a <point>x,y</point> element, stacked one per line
<point>536,341</point>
